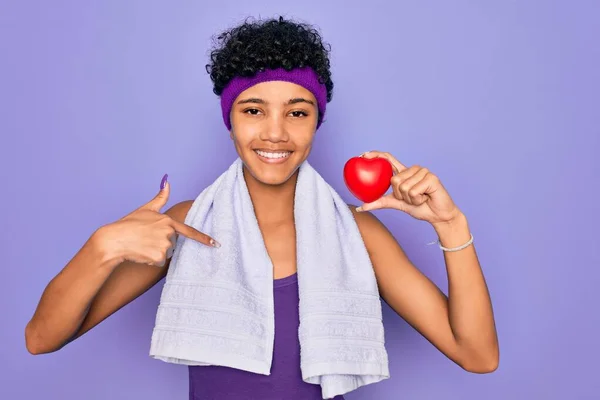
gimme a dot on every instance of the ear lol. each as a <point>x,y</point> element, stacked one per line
<point>231,134</point>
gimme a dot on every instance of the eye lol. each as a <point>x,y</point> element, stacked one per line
<point>298,114</point>
<point>252,111</point>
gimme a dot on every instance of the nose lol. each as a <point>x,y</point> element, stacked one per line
<point>274,130</point>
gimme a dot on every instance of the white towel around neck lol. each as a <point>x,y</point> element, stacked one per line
<point>216,306</point>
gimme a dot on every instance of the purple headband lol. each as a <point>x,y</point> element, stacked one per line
<point>305,77</point>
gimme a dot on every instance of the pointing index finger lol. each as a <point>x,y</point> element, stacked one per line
<point>195,234</point>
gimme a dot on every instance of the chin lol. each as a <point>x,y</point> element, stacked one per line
<point>271,171</point>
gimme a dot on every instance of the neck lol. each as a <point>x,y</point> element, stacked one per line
<point>273,204</point>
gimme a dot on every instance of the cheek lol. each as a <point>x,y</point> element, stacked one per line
<point>304,139</point>
<point>242,134</point>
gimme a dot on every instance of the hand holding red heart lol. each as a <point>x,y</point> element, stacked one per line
<point>415,190</point>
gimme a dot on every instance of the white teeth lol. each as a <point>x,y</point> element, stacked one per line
<point>273,154</point>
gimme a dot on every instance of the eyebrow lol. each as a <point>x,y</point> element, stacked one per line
<point>252,100</point>
<point>300,100</point>
<point>257,100</point>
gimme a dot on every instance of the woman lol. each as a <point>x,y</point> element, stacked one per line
<point>272,125</point>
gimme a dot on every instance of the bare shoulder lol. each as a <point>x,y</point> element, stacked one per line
<point>367,219</point>
<point>374,233</point>
<point>180,210</point>
<point>390,262</point>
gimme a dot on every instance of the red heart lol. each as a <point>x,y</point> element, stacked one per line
<point>368,178</point>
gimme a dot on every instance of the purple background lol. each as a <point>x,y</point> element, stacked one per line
<point>99,99</point>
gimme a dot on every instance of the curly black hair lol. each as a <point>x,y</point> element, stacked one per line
<point>274,43</point>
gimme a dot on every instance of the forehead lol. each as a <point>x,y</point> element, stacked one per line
<point>276,92</point>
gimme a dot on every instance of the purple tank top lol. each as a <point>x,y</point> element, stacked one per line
<point>285,381</point>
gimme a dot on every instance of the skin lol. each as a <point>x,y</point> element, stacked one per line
<point>283,116</point>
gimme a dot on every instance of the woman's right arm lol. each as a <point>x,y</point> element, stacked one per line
<point>117,264</point>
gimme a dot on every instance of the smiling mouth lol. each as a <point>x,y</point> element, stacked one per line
<point>273,157</point>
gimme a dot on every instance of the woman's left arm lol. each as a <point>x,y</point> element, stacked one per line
<point>461,325</point>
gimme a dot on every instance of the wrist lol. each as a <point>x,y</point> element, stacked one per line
<point>453,233</point>
<point>103,246</point>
